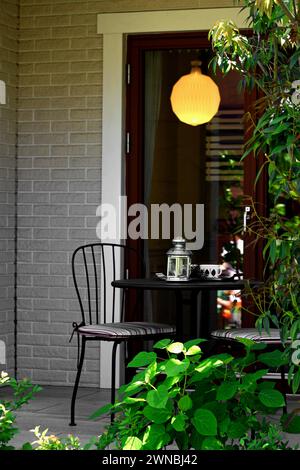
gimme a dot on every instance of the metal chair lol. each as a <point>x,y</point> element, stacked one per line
<point>94,267</point>
<point>271,339</point>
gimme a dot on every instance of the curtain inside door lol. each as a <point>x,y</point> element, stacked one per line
<point>153,83</point>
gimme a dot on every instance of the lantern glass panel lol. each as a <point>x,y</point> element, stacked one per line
<point>179,261</point>
<point>178,266</point>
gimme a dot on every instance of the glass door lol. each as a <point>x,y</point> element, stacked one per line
<point>176,163</point>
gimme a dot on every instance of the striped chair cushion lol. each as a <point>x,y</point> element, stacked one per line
<point>250,333</point>
<point>126,330</point>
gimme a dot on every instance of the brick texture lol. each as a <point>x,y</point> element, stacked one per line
<point>8,73</point>
<point>59,148</point>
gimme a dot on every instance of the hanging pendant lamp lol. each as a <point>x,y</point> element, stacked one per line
<point>195,97</point>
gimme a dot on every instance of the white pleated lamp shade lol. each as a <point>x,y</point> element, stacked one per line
<point>195,97</point>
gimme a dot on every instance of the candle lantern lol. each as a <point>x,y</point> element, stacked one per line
<point>179,261</point>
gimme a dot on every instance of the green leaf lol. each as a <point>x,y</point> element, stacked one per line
<point>295,329</point>
<point>194,342</point>
<point>278,119</point>
<point>131,388</point>
<point>175,348</point>
<point>226,390</point>
<point>150,372</point>
<point>250,380</point>
<point>291,423</point>
<point>273,251</point>
<point>250,344</point>
<point>185,403</point>
<point>273,359</point>
<point>260,172</point>
<point>213,362</point>
<point>224,424</point>
<point>268,384</point>
<point>175,367</point>
<point>274,130</point>
<point>211,443</point>
<point>142,359</point>
<point>178,423</point>
<point>196,440</point>
<point>205,422</point>
<point>155,437</point>
<point>157,415</point>
<point>271,398</point>
<point>132,443</point>
<point>162,344</point>
<point>237,429</point>
<point>291,139</point>
<point>296,381</point>
<point>170,381</point>
<point>133,400</point>
<point>27,446</point>
<point>278,149</point>
<point>217,408</point>
<point>193,350</point>
<point>294,58</point>
<point>102,411</point>
<point>158,398</point>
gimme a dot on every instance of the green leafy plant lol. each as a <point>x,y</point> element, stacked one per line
<point>203,403</point>
<point>269,59</point>
<point>47,441</point>
<point>268,438</point>
<point>22,392</point>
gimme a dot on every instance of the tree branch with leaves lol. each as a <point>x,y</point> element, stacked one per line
<point>269,59</point>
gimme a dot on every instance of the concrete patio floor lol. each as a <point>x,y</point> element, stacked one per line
<point>51,409</point>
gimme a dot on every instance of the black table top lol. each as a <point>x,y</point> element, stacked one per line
<point>160,284</point>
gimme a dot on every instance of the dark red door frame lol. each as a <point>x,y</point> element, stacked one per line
<point>258,194</point>
<point>136,46</point>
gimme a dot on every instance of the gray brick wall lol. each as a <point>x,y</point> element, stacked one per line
<point>8,73</point>
<point>59,148</point>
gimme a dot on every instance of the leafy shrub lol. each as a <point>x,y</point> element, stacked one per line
<point>210,403</point>
<point>23,391</point>
<point>195,402</point>
<point>52,442</point>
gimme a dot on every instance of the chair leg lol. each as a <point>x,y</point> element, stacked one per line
<point>79,368</point>
<point>283,384</point>
<point>113,378</point>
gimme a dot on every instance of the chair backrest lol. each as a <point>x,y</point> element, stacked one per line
<point>94,267</point>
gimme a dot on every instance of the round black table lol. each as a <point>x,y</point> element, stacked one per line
<point>192,286</point>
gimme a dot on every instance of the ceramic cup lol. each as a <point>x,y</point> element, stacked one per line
<point>210,271</point>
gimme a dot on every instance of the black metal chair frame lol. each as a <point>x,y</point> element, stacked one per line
<point>85,338</point>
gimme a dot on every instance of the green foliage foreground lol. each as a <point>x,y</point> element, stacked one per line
<point>197,403</point>
<point>268,61</point>
<point>183,399</point>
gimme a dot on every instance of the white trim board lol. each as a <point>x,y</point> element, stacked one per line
<point>167,21</point>
<point>115,27</point>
